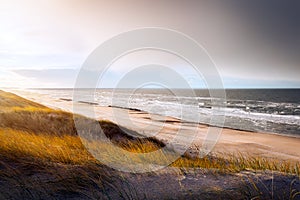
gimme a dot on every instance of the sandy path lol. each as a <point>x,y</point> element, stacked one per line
<point>166,128</point>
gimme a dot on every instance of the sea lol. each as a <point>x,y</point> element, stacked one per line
<point>262,110</point>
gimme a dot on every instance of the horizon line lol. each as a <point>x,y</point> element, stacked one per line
<point>256,88</point>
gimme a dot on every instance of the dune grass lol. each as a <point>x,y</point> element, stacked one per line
<point>37,131</point>
<point>9,100</point>
<point>237,163</point>
<point>63,149</point>
<point>36,139</point>
<point>69,149</point>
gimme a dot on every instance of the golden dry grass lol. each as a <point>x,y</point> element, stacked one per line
<point>37,131</point>
<point>36,139</point>
<point>69,149</point>
<point>9,100</point>
<point>237,163</point>
<point>64,149</point>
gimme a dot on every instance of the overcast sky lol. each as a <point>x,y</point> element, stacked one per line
<point>253,43</point>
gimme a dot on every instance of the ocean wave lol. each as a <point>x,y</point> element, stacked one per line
<point>269,114</point>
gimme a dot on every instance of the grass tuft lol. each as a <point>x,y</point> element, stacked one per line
<point>38,140</point>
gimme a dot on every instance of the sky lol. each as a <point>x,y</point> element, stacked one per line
<point>254,44</point>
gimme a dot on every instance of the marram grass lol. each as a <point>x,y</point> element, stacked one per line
<point>70,150</point>
<point>32,130</point>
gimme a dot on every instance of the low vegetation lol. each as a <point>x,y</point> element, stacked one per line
<point>45,140</point>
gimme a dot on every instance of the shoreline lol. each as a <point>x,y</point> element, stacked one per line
<point>41,145</point>
<point>185,121</point>
<point>22,92</point>
<point>231,141</point>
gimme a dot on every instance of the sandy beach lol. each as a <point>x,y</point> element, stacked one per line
<point>280,147</point>
<point>42,156</point>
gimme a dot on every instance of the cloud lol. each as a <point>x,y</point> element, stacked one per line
<point>50,77</point>
<point>66,78</point>
<point>11,79</point>
<point>256,43</point>
<point>236,82</point>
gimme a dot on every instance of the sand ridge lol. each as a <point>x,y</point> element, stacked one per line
<point>166,128</point>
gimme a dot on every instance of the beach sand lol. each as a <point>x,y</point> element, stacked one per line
<point>179,133</point>
<point>32,176</point>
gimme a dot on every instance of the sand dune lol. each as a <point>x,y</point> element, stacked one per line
<point>175,132</point>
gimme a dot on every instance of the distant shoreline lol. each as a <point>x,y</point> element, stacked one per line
<point>231,141</point>
<point>25,95</point>
<point>267,111</point>
<point>184,121</point>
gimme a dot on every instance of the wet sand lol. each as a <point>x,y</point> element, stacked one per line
<point>179,133</point>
